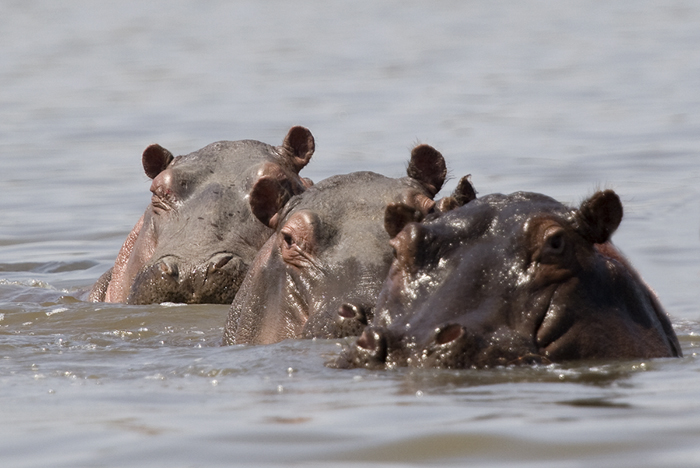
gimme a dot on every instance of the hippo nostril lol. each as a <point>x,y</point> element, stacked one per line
<point>168,268</point>
<point>448,334</point>
<point>368,340</point>
<point>218,261</point>
<point>371,346</point>
<point>348,311</point>
<point>352,312</point>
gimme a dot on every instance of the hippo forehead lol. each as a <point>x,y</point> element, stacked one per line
<point>345,195</point>
<point>499,215</point>
<point>224,160</point>
<point>348,212</point>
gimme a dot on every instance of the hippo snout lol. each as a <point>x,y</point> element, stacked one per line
<point>379,347</point>
<point>170,279</point>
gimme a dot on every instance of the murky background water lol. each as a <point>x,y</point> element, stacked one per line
<point>556,97</point>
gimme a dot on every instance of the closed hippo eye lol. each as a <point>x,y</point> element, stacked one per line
<point>169,189</point>
<point>298,239</point>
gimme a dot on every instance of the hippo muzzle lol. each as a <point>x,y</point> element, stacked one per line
<point>215,280</point>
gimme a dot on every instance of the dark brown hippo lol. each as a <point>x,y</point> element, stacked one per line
<point>319,274</point>
<point>509,279</point>
<point>197,237</point>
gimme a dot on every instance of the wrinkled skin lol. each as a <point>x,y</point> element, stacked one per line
<point>319,274</point>
<point>198,236</point>
<point>512,279</point>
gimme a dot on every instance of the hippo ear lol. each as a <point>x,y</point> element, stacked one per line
<point>155,159</point>
<point>398,215</point>
<point>463,194</point>
<point>427,166</point>
<point>298,147</point>
<point>268,197</point>
<point>599,216</point>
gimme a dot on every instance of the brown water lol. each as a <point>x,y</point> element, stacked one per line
<point>561,98</point>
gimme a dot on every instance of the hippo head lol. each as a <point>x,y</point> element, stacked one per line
<point>320,272</point>
<point>197,237</point>
<point>512,279</point>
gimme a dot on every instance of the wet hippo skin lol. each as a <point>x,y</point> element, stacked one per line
<point>319,273</point>
<point>197,237</point>
<point>509,279</point>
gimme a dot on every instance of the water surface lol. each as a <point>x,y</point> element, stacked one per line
<point>558,98</point>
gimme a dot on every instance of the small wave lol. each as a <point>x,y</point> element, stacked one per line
<point>47,267</point>
<point>32,283</point>
<point>56,311</point>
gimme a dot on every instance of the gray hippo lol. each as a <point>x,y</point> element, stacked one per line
<point>509,279</point>
<point>196,239</point>
<point>319,274</point>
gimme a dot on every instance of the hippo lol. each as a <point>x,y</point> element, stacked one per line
<point>319,274</point>
<point>512,279</point>
<point>198,236</point>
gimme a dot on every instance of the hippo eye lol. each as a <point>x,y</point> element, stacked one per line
<point>555,243</point>
<point>287,239</point>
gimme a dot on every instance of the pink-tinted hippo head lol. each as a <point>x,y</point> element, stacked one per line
<point>319,274</point>
<point>196,239</point>
<point>512,279</point>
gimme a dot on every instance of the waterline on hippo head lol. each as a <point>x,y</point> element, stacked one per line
<point>509,280</point>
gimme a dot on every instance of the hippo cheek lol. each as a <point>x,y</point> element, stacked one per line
<point>556,321</point>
